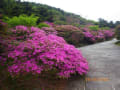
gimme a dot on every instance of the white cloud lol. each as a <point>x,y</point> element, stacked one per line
<point>90,9</point>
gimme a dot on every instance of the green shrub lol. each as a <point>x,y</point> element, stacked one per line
<point>22,20</point>
<point>94,28</point>
<point>118,32</point>
<point>43,25</point>
<point>105,28</point>
<point>60,23</point>
<point>118,43</point>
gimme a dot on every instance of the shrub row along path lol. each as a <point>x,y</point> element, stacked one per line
<point>104,63</point>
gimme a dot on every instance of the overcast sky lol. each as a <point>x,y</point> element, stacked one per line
<point>90,9</point>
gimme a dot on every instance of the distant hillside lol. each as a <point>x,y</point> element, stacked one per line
<point>44,12</point>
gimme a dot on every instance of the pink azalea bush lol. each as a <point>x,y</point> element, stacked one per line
<point>50,30</point>
<point>66,28</point>
<point>49,23</point>
<point>30,50</point>
<point>36,52</point>
<point>83,36</point>
<point>96,36</point>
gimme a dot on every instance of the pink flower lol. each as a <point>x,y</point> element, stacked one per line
<point>40,52</point>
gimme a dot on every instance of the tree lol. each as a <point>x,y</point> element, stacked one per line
<point>111,24</point>
<point>117,23</point>
<point>7,6</point>
<point>103,23</point>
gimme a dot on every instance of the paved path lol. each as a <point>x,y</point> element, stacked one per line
<point>104,62</point>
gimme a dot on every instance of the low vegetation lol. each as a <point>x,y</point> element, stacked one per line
<point>118,43</point>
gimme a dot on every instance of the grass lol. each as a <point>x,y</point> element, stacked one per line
<point>118,43</point>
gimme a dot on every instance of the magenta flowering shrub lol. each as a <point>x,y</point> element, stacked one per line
<point>108,33</point>
<point>49,23</point>
<point>21,30</point>
<point>73,35</point>
<point>66,28</point>
<point>96,36</point>
<point>50,30</point>
<point>31,50</point>
<point>88,35</point>
<point>83,36</point>
<point>40,52</point>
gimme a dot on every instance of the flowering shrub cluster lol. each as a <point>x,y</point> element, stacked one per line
<point>34,51</point>
<point>83,36</point>
<point>50,30</point>
<point>70,33</point>
<point>96,36</point>
<point>66,28</point>
<point>49,23</point>
<point>31,50</point>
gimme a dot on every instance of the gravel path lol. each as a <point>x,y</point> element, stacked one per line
<point>104,63</point>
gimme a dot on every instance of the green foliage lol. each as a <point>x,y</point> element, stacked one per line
<point>105,28</point>
<point>43,25</point>
<point>3,27</point>
<point>105,23</point>
<point>118,32</point>
<point>118,43</point>
<point>22,20</point>
<point>102,23</point>
<point>82,26</point>
<point>12,8</point>
<point>6,6</point>
<point>60,22</point>
<point>94,28</point>
<point>77,25</point>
